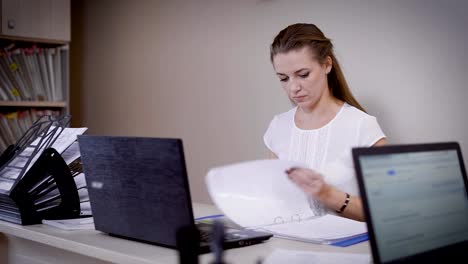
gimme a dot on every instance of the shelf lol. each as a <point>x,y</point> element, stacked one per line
<point>32,104</point>
<point>34,40</point>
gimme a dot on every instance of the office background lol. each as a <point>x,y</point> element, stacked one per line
<point>200,70</point>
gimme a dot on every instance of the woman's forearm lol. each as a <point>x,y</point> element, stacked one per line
<point>335,199</point>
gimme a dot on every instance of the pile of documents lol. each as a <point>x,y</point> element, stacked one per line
<point>46,193</point>
<point>72,224</point>
<point>33,73</point>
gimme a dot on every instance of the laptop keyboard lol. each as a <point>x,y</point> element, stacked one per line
<point>206,234</point>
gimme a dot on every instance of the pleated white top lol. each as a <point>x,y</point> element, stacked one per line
<point>326,149</point>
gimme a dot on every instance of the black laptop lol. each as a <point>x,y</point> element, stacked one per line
<point>415,199</point>
<point>138,189</point>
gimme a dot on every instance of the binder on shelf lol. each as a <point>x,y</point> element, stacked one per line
<point>57,60</point>
<point>35,181</point>
<point>41,56</point>
<point>29,72</point>
<point>49,54</point>
<point>38,85</point>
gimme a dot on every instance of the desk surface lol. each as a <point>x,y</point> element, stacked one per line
<point>98,245</point>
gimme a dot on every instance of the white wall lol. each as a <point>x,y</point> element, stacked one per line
<point>200,70</point>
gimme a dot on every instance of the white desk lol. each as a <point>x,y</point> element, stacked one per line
<point>45,244</point>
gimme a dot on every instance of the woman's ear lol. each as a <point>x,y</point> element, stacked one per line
<point>328,64</point>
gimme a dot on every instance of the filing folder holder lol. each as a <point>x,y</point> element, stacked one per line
<point>47,189</point>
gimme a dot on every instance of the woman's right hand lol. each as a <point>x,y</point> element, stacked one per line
<point>309,181</point>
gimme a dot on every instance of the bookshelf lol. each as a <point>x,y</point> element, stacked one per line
<point>34,63</point>
<point>59,104</point>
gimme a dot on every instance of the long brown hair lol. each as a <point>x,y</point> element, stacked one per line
<point>297,36</point>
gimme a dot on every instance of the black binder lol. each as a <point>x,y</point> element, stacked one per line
<point>47,189</point>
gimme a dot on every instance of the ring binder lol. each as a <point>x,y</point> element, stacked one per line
<point>278,220</point>
<point>282,209</point>
<point>35,181</point>
<point>295,218</point>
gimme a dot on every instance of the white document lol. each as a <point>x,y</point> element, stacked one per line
<point>259,195</point>
<point>281,256</point>
<point>63,141</point>
<point>326,228</point>
<point>71,224</point>
<point>10,173</point>
<point>67,137</point>
<point>5,185</point>
<point>71,153</point>
<point>80,180</point>
<point>83,194</point>
<point>85,208</point>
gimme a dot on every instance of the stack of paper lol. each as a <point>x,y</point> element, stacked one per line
<point>72,157</point>
<point>259,195</point>
<point>71,224</point>
<point>45,194</point>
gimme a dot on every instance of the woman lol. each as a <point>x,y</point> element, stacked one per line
<point>325,123</point>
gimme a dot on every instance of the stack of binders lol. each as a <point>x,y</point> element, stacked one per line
<point>35,181</point>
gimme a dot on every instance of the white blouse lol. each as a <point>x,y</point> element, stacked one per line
<point>326,149</point>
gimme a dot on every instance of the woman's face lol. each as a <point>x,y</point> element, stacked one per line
<point>302,77</point>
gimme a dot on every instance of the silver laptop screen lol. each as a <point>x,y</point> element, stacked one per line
<point>417,201</point>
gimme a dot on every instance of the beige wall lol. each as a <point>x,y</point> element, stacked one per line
<point>200,70</point>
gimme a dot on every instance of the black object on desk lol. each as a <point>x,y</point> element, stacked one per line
<point>35,181</point>
<point>431,181</point>
<point>47,191</point>
<point>188,244</point>
<point>217,242</point>
<point>139,190</point>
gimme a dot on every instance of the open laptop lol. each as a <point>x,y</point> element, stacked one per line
<point>415,199</point>
<point>138,189</point>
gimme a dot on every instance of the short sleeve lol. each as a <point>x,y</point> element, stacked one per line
<point>268,136</point>
<point>369,132</point>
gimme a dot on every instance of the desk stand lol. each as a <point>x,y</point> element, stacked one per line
<point>43,190</point>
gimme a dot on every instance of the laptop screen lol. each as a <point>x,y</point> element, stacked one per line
<point>417,200</point>
<point>138,187</point>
